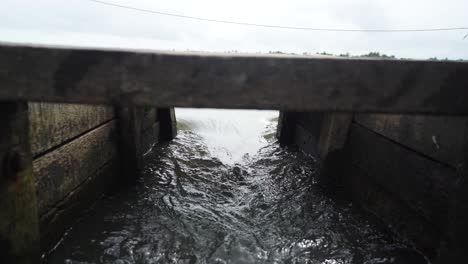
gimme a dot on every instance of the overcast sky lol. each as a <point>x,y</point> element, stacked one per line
<point>86,23</point>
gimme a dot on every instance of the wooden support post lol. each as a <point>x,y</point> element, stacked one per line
<point>333,136</point>
<point>168,124</point>
<point>19,229</point>
<point>131,132</point>
<point>130,143</point>
<point>320,134</point>
<point>286,128</point>
<point>334,132</point>
<point>329,130</point>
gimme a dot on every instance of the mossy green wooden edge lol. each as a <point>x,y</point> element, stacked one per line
<point>19,229</point>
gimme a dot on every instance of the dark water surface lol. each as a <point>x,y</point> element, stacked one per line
<point>225,192</point>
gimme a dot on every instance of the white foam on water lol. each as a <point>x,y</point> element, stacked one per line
<point>230,135</point>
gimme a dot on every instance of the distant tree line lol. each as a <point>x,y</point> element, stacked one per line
<point>372,54</point>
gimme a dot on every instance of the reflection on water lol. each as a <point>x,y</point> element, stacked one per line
<point>224,192</point>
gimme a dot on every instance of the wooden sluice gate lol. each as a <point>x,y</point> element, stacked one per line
<point>392,135</point>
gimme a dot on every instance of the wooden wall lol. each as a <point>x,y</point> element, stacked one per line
<point>403,169</point>
<point>76,159</point>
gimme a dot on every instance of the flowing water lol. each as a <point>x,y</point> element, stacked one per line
<point>224,192</point>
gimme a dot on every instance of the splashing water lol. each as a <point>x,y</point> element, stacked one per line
<point>230,135</point>
<point>224,192</point>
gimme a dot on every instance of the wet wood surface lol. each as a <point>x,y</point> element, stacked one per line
<point>60,171</point>
<point>19,227</point>
<point>53,124</point>
<point>437,137</point>
<point>167,79</point>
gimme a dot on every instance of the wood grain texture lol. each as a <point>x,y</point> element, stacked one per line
<point>66,212</point>
<point>423,184</point>
<point>392,211</point>
<point>53,124</point>
<point>19,228</point>
<point>58,172</point>
<point>439,137</point>
<point>170,79</point>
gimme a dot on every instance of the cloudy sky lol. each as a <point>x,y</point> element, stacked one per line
<point>86,23</point>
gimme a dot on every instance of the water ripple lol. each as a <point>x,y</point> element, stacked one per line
<point>191,207</point>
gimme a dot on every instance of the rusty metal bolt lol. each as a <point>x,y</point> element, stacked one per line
<point>14,161</point>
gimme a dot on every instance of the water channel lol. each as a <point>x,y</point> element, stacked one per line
<point>224,191</point>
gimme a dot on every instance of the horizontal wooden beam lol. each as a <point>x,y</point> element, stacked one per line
<point>254,81</point>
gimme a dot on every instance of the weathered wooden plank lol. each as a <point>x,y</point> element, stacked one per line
<point>316,133</point>
<point>19,229</point>
<point>168,79</point>
<point>64,214</point>
<point>423,184</point>
<point>53,124</point>
<point>439,137</point>
<point>60,171</point>
<point>391,210</point>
